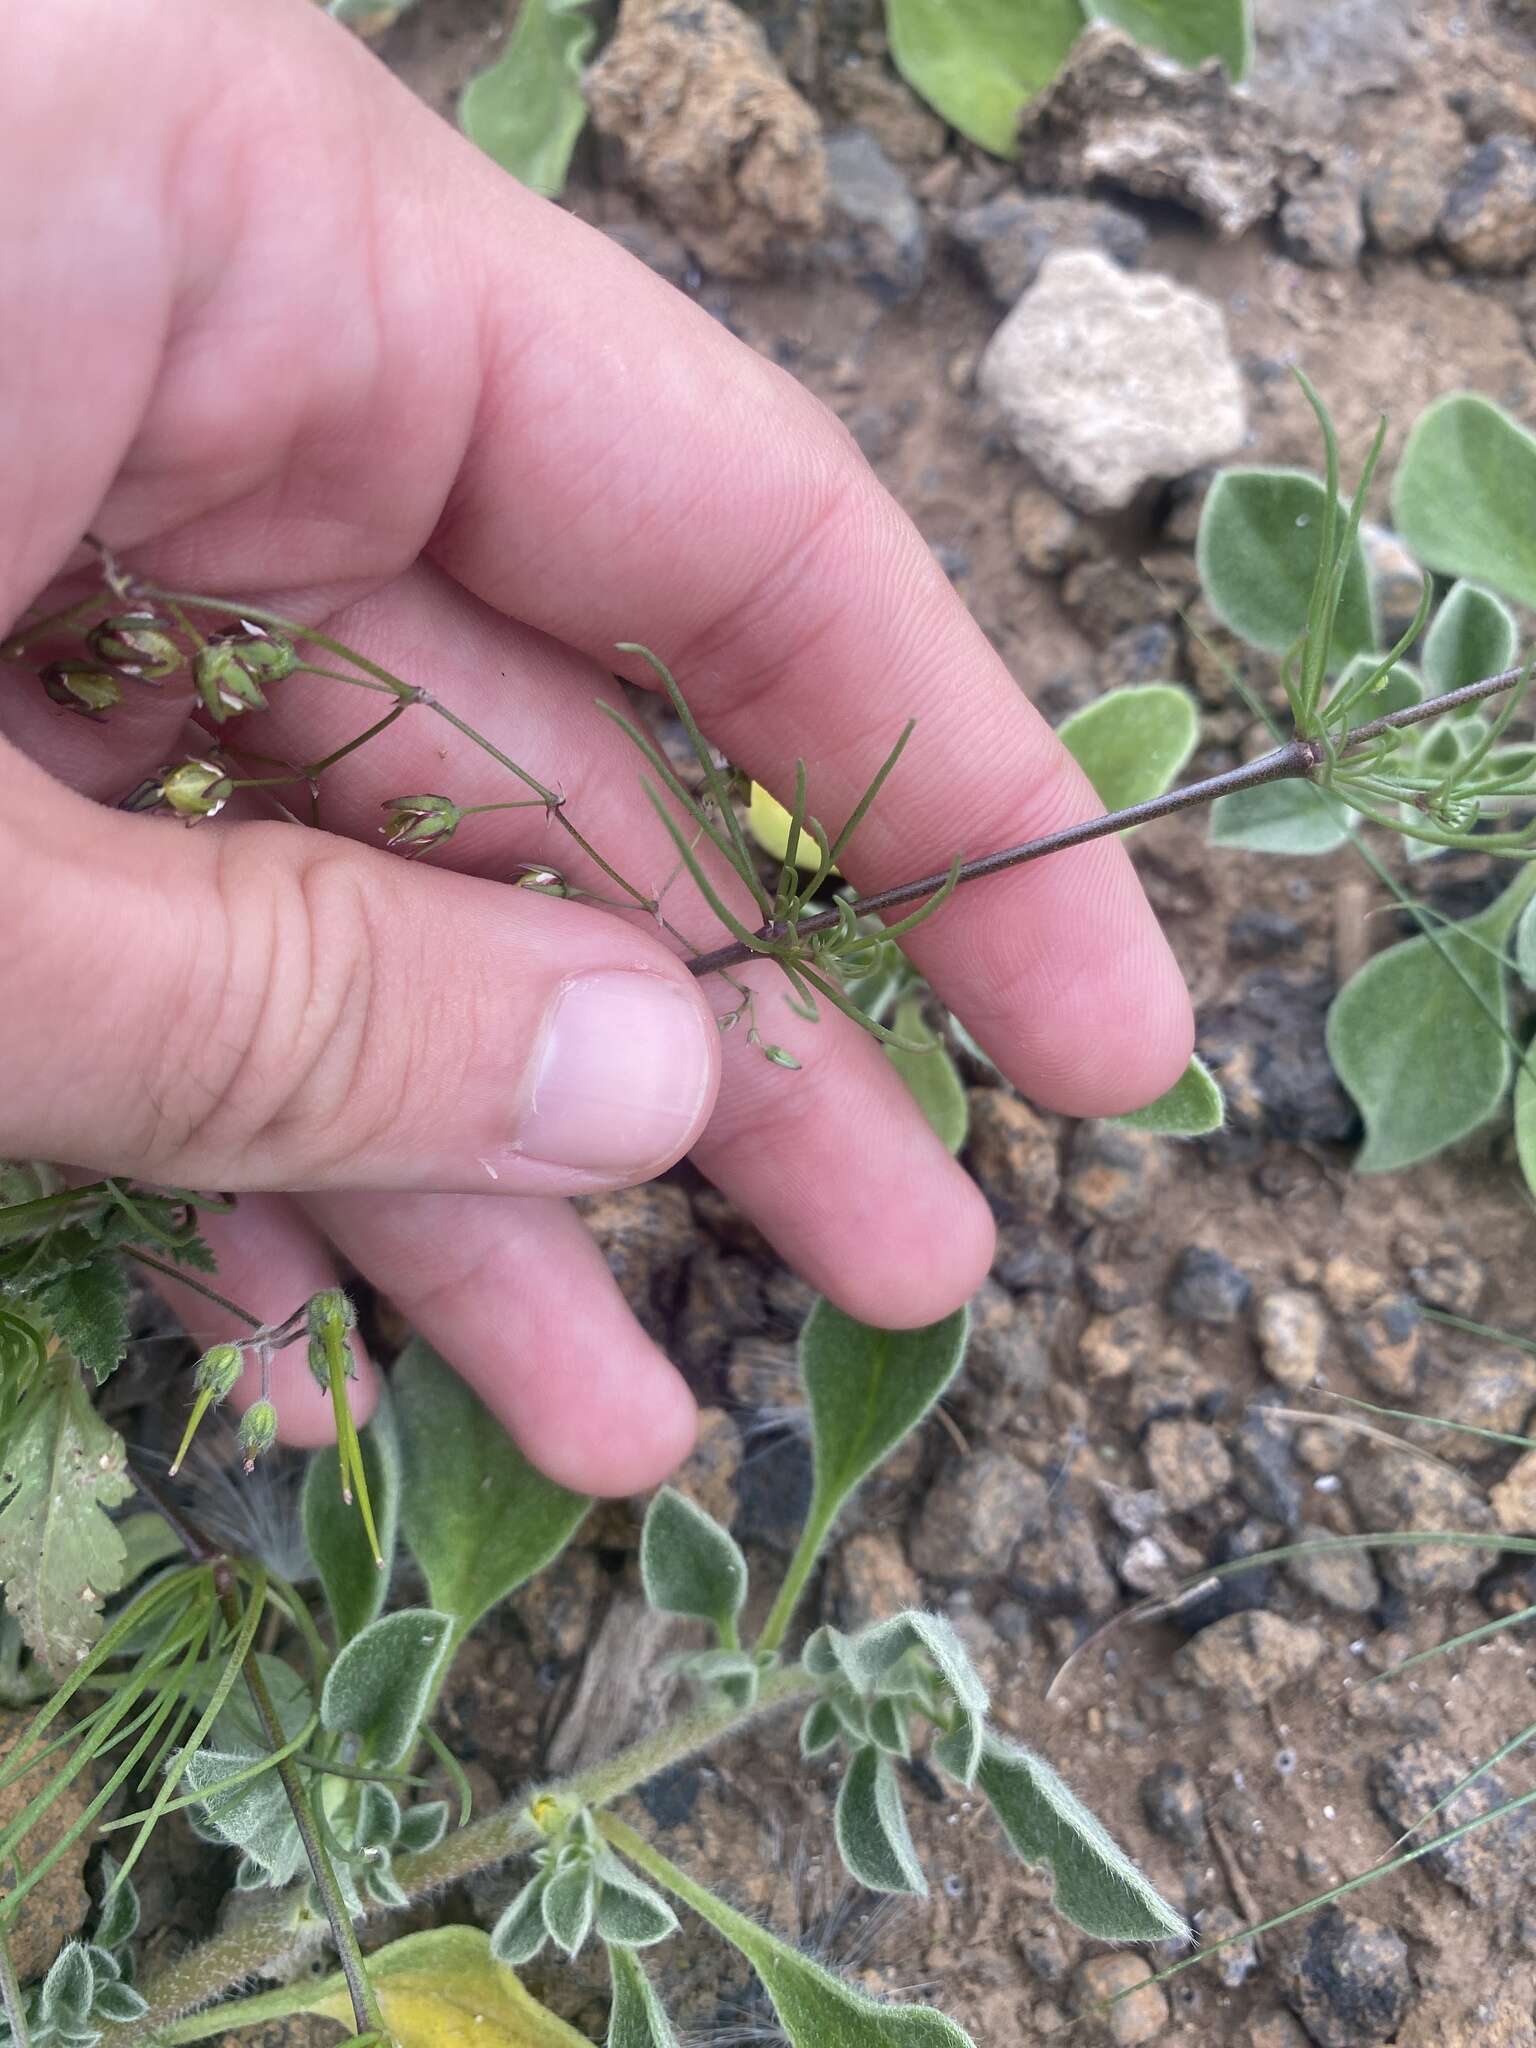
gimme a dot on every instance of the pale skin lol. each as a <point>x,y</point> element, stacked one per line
<point>274,331</point>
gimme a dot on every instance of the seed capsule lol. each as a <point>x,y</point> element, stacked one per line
<point>137,644</point>
<point>81,686</point>
<point>413,823</point>
<point>258,1432</point>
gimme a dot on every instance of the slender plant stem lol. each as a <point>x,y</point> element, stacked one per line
<point>184,1279</point>
<point>11,1999</point>
<point>801,1565</point>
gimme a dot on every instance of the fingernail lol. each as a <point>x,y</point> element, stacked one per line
<point>622,1075</point>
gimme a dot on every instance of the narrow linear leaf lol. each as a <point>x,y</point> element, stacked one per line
<point>1189,31</point>
<point>382,1683</point>
<point>872,1834</point>
<point>637,2019</point>
<point>1098,1888</point>
<point>355,1588</point>
<point>527,110</point>
<point>1525,1117</point>
<point>1133,743</point>
<point>690,1565</point>
<point>932,1078</point>
<point>1191,1108</point>
<point>444,1989</point>
<point>977,62</point>
<point>1258,550</point>
<point>1474,635</point>
<point>478,1518</point>
<point>1464,496</point>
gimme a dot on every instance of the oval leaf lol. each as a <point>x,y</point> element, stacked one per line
<point>637,2019</point>
<point>1280,817</point>
<point>567,1905</point>
<point>253,1816</point>
<point>1098,1888</point>
<point>355,1587</point>
<point>1189,31</point>
<point>1474,635</point>
<point>382,1684</point>
<point>1419,1037</point>
<point>1133,743</point>
<point>527,111</point>
<point>1258,549</point>
<point>477,1517</point>
<point>690,1565</point>
<point>1464,497</point>
<point>630,1913</point>
<point>872,1834</point>
<point>520,1933</point>
<point>977,62</point>
<point>1191,1108</point>
<point>931,1076</point>
<point>443,1989</point>
<point>820,1729</point>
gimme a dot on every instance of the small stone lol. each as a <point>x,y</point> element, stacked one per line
<point>1112,1173</point>
<point>1171,1800</point>
<point>1133,1513</point>
<point>1450,1279</point>
<point>723,1300</point>
<point>1140,2010</point>
<point>1006,1358</point>
<point>1113,1346</point>
<point>1249,1658</point>
<point>1043,1951</point>
<point>1012,1154</point>
<point>1387,1346</point>
<point>1514,1498</point>
<point>708,1475</point>
<point>1321,225</point>
<point>1489,221</point>
<point>1239,1960</point>
<point>1492,1391</point>
<point>1010,236</point>
<point>1188,1463</point>
<point>1062,1570</point>
<point>1207,1288</point>
<point>1346,1979</point>
<point>1291,1330</point>
<point>1393,1490</point>
<point>1492,1864</point>
<point>1276,2030</point>
<point>1109,596</point>
<point>1109,380</point>
<point>1048,536</point>
<point>1256,935</point>
<point>1403,196</point>
<point>1342,1579</point>
<point>645,1234</point>
<point>558,1608</point>
<point>869,1580</point>
<point>1351,1286</point>
<point>877,230</point>
<point>974,1515</point>
<point>1141,654</point>
<point>1504,106</point>
<point>1266,1475</point>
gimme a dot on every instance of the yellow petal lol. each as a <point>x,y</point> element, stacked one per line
<point>768,822</point>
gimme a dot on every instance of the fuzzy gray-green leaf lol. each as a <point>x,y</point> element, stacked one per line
<point>1419,1036</point>
<point>1133,743</point>
<point>820,1729</point>
<point>1473,635</point>
<point>1191,1108</point>
<point>931,1076</point>
<point>568,1903</point>
<point>1525,1117</point>
<point>520,1933</point>
<point>527,110</point>
<point>1289,817</point>
<point>478,1518</point>
<point>960,1751</point>
<point>1464,496</point>
<point>254,1816</point>
<point>1525,946</point>
<point>1189,31</point>
<point>423,1827</point>
<point>355,1587</point>
<point>690,1565</point>
<point>977,62</point>
<point>119,2003</point>
<point>636,2019</point>
<point>879,1649</point>
<point>383,1681</point>
<point>65,1999</point>
<point>1258,550</point>
<point>630,1913</point>
<point>1097,1888</point>
<point>872,1834</point>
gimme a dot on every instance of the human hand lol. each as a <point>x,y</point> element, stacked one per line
<point>273,330</point>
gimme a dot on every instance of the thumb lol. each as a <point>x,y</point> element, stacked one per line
<point>261,1006</point>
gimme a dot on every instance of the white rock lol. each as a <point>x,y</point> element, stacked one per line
<point>1108,378</point>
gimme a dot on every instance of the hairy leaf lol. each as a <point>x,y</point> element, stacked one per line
<point>931,1076</point>
<point>520,1933</point>
<point>61,1468</point>
<point>254,1817</point>
<point>690,1565</point>
<point>977,62</point>
<point>1098,1888</point>
<point>1258,550</point>
<point>1525,946</point>
<point>875,1652</point>
<point>1191,1108</point>
<point>630,1913</point>
<point>872,1834</point>
<point>119,2003</point>
<point>1396,690</point>
<point>423,1827</point>
<point>355,1588</point>
<point>637,2019</point>
<point>1133,743</point>
<point>1464,496</point>
<point>478,1518</point>
<point>961,1750</point>
<point>527,111</point>
<point>87,1309</point>
<point>1280,817</point>
<point>820,1729</point>
<point>569,1901</point>
<point>383,1681</point>
<point>867,1389</point>
<point>1474,635</point>
<point>1189,31</point>
<point>1525,1117</point>
<point>1419,1036</point>
<point>64,2001</point>
<point>444,1989</point>
<point>118,1922</point>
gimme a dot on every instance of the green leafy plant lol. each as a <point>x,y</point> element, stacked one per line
<point>527,111</point>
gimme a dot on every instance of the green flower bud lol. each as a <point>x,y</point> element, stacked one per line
<point>258,1431</point>
<point>81,686</point>
<point>416,822</point>
<point>263,653</point>
<point>543,881</point>
<point>224,682</point>
<point>218,1369</point>
<point>194,789</point>
<point>138,644</point>
<point>327,1311</point>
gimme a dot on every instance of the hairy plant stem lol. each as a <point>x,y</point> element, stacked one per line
<point>275,1934</point>
<point>11,1999</point>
